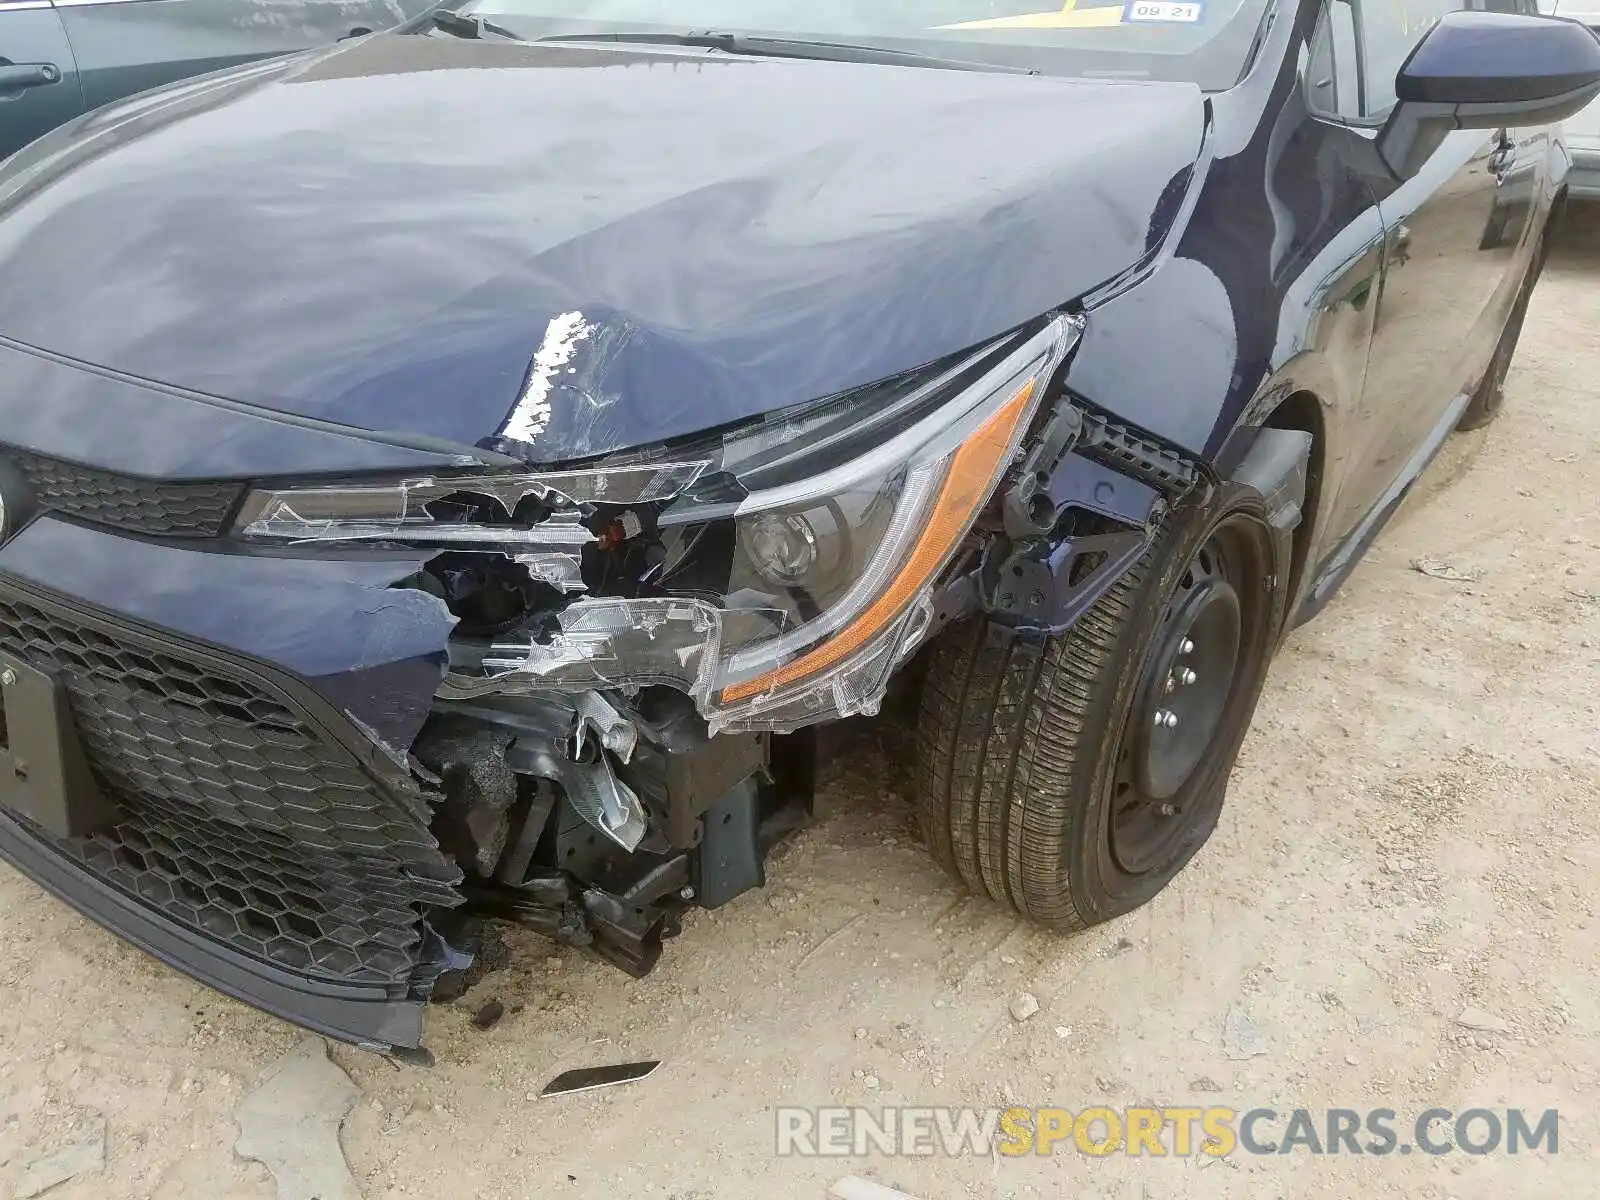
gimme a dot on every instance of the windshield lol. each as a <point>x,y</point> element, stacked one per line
<point>1201,41</point>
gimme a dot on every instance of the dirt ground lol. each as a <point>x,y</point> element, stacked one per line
<point>1414,828</point>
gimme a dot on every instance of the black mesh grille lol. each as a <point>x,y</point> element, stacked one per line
<point>341,917</point>
<point>241,818</point>
<point>126,502</point>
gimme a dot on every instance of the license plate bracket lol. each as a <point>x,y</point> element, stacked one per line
<point>44,773</point>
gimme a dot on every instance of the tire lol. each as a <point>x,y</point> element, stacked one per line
<point>1490,397</point>
<point>1025,746</point>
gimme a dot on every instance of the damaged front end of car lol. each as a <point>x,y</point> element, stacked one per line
<point>643,644</point>
<point>340,725</point>
<point>640,643</point>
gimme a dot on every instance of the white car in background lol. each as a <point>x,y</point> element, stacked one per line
<point>1583,130</point>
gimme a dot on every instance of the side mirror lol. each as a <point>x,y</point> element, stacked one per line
<point>1482,70</point>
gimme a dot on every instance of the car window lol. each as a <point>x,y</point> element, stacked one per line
<point>1208,42</point>
<point>1389,30</point>
<point>1333,87</point>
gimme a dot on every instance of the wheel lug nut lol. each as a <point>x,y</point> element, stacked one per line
<point>1166,719</point>
<point>1187,677</point>
<point>1186,647</point>
<point>1166,810</point>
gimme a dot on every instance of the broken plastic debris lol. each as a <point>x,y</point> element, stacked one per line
<point>586,1079</point>
<point>1436,568</point>
<point>400,511</point>
<point>853,1187</point>
<point>488,1016</point>
<point>281,522</point>
<point>624,485</point>
<point>614,731</point>
<point>592,788</point>
<point>604,642</point>
<point>561,570</point>
<point>603,800</point>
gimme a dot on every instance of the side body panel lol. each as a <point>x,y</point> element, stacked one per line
<point>1255,319</point>
<point>1458,247</point>
<point>1379,299</point>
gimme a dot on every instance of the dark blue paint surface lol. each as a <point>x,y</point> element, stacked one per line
<point>373,650</point>
<point>380,236</point>
<point>1490,56</point>
<point>291,260</point>
<point>120,424</point>
<point>416,253</point>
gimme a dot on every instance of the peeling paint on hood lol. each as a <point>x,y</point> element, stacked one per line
<point>532,411</point>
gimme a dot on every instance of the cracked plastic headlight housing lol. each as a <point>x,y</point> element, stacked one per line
<point>777,575</point>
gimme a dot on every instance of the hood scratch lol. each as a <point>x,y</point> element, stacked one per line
<point>532,411</point>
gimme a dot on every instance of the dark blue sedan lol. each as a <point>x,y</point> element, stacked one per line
<point>449,476</point>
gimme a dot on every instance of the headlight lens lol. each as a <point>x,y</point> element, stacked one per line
<point>778,578</point>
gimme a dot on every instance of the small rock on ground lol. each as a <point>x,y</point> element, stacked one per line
<point>489,1015</point>
<point>1023,1006</point>
<point>290,1124</point>
<point>1476,1018</point>
<point>86,1154</point>
<point>1240,1037</point>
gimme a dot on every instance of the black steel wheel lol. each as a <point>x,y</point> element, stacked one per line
<point>1072,778</point>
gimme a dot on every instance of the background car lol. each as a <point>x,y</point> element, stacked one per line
<point>61,59</point>
<point>1583,130</point>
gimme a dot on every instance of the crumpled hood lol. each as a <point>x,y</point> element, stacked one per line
<point>585,249</point>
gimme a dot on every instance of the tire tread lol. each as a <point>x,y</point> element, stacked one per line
<point>1001,748</point>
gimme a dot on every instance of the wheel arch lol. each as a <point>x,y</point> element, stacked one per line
<point>1301,410</point>
<point>1299,407</point>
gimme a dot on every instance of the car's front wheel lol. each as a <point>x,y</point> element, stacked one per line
<point>1071,778</point>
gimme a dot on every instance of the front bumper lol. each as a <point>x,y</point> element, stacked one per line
<point>291,818</point>
<point>298,816</point>
<point>366,1015</point>
<point>262,841</point>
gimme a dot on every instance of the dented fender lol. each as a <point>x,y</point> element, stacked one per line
<point>1075,524</point>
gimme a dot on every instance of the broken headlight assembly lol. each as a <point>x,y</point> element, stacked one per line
<point>776,574</point>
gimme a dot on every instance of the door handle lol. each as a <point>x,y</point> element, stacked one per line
<point>16,76</point>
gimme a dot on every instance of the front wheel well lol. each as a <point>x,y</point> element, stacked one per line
<point>1302,411</point>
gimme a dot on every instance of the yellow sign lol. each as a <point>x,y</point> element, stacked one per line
<point>1101,1131</point>
<point>1069,16</point>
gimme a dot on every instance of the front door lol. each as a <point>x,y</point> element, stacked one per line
<point>38,77</point>
<point>1456,243</point>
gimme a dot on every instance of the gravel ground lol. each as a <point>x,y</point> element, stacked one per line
<point>1414,828</point>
